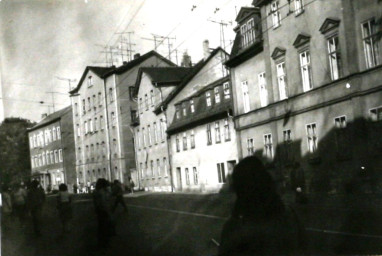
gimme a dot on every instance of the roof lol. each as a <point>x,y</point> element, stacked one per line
<point>188,78</point>
<point>162,75</point>
<point>104,72</point>
<point>51,118</point>
<point>246,12</point>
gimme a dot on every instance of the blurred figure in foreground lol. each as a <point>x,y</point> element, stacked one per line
<point>19,197</point>
<point>35,201</point>
<point>64,206</point>
<point>117,192</point>
<point>101,199</point>
<point>260,223</point>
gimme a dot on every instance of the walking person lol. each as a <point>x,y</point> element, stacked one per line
<point>102,208</point>
<point>131,185</point>
<point>260,223</point>
<point>117,192</point>
<point>297,180</point>
<point>19,197</point>
<point>35,201</point>
<point>64,206</point>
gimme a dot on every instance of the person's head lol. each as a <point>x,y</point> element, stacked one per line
<point>34,184</point>
<point>101,184</point>
<point>63,187</point>
<point>250,179</point>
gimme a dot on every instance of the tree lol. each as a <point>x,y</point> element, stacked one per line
<point>14,150</point>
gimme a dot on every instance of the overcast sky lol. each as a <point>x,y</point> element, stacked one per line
<point>41,39</point>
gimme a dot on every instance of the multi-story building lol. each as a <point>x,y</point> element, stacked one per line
<point>51,144</point>
<point>152,155</point>
<point>103,109</point>
<point>306,88</point>
<point>199,157</point>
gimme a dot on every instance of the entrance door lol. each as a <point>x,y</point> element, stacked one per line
<point>179,178</point>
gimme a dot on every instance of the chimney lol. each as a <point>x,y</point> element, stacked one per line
<point>137,55</point>
<point>44,115</point>
<point>206,49</point>
<point>186,60</point>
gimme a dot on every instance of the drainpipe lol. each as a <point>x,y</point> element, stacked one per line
<point>108,127</point>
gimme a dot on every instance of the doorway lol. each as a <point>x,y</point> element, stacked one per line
<point>179,178</point>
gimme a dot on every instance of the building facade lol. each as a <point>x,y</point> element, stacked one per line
<point>51,144</point>
<point>103,109</point>
<point>152,152</point>
<point>306,88</point>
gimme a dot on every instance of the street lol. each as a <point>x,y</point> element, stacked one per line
<point>185,224</point>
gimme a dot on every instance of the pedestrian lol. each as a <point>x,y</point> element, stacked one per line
<point>117,193</point>
<point>64,206</point>
<point>102,208</point>
<point>35,201</point>
<point>260,224</point>
<point>19,198</point>
<point>131,185</point>
<point>297,180</point>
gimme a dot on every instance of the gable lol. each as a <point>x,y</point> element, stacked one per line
<point>244,13</point>
<point>329,24</point>
<point>278,52</point>
<point>301,39</point>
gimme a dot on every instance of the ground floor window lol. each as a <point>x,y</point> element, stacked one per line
<point>221,173</point>
<point>195,171</point>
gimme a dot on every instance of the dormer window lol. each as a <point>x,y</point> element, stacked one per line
<point>177,112</point>
<point>226,90</point>
<point>184,109</point>
<point>298,6</point>
<point>208,99</point>
<point>217,95</point>
<point>275,14</point>
<point>247,31</point>
<point>90,81</point>
<point>192,106</point>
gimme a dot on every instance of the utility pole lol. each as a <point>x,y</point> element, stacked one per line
<point>70,81</point>
<point>52,93</point>
<point>107,50</point>
<point>169,45</point>
<point>123,41</point>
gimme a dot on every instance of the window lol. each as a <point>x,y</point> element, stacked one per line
<point>312,137</point>
<point>100,99</point>
<point>43,158</point>
<point>287,145</point>
<point>140,105</point>
<point>375,114</point>
<point>208,99</point>
<point>217,95</point>
<point>144,137</point>
<point>90,125</point>
<point>196,178</point>
<point>177,143</point>
<point>209,136</point>
<point>281,80</point>
<point>226,90</point>
<point>152,97</point>
<point>58,133</point>
<point>92,151</point>
<point>250,147</point>
<point>152,168</point>
<point>90,81</point>
<point>342,141</point>
<point>192,139</point>
<point>244,88</point>
<point>275,14</point>
<point>247,32</point>
<point>184,141</point>
<point>149,135</point>
<point>155,133</point>
<point>55,156</point>
<point>221,173</point>
<point>111,98</point>
<point>78,130</point>
<point>47,157</point>
<point>192,107</point>
<point>31,142</point>
<point>371,42</point>
<point>305,71</point>
<point>146,102</point>
<point>268,146</point>
<point>263,90</point>
<point>97,150</point>
<point>95,124</point>
<point>113,121</point>
<point>115,145</point>
<point>89,104</point>
<point>165,166</point>
<point>86,127</point>
<point>177,111</point>
<point>184,109</point>
<point>101,124</point>
<point>94,102</point>
<point>60,155</point>
<point>334,58</point>
<point>158,167</point>
<point>83,106</point>
<point>298,6</point>
<point>76,109</point>
<point>187,176</point>
<point>51,157</point>
<point>142,170</point>
<point>164,128</point>
<point>227,132</point>
<point>217,133</point>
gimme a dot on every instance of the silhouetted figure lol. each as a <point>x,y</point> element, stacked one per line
<point>64,206</point>
<point>131,185</point>
<point>35,201</point>
<point>19,197</point>
<point>101,199</point>
<point>260,224</point>
<point>117,192</point>
<point>297,181</point>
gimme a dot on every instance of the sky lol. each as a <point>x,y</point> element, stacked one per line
<point>45,39</point>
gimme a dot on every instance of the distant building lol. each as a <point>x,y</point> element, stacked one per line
<point>306,88</point>
<point>152,155</point>
<point>202,139</point>
<point>103,110</point>
<point>51,144</point>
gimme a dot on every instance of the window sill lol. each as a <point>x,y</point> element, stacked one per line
<point>217,142</point>
<point>227,140</point>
